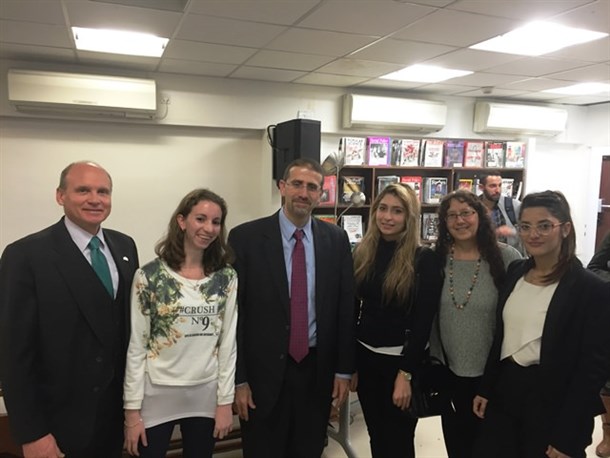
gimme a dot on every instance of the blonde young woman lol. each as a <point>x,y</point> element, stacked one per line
<point>398,284</point>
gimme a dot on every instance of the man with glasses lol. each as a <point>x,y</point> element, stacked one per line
<point>503,210</point>
<point>295,331</point>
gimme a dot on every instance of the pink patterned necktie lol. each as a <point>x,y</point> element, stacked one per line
<point>299,323</point>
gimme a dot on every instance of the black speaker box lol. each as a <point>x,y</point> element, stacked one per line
<point>294,139</point>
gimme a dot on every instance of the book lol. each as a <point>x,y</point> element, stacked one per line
<point>429,226</point>
<point>409,152</point>
<point>329,191</point>
<point>507,187</point>
<point>435,188</point>
<point>494,154</point>
<point>351,184</point>
<point>395,152</point>
<point>473,154</point>
<point>332,219</point>
<point>353,150</point>
<point>515,155</point>
<point>352,224</point>
<point>433,153</point>
<point>466,184</point>
<point>383,181</point>
<point>415,182</point>
<point>378,149</point>
<point>454,153</point>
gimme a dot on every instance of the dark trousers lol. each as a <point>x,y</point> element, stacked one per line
<point>515,424</point>
<point>296,427</point>
<point>460,428</point>
<point>197,438</point>
<point>391,431</point>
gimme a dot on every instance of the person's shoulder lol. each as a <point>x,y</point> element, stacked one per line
<point>254,225</point>
<point>35,239</point>
<point>117,235</point>
<point>509,253</point>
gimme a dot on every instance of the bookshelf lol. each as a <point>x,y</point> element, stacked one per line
<point>455,177</point>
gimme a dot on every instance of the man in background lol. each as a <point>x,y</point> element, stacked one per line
<point>503,210</point>
<point>295,331</point>
<point>64,295</point>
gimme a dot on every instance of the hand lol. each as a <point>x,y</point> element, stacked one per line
<point>223,421</point>
<point>353,383</point>
<point>45,447</point>
<point>505,231</point>
<point>479,405</point>
<point>134,432</point>
<point>552,452</point>
<point>401,397</point>
<point>340,391</point>
<point>243,401</point>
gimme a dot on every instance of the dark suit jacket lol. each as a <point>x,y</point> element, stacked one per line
<point>264,307</point>
<point>63,338</point>
<point>600,262</point>
<point>574,355</point>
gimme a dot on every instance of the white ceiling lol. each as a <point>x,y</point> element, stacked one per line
<point>342,43</point>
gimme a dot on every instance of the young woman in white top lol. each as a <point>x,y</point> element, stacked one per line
<point>551,352</point>
<point>181,357</point>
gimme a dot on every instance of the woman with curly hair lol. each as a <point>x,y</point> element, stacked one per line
<point>551,351</point>
<point>182,350</point>
<point>474,264</point>
<point>398,284</point>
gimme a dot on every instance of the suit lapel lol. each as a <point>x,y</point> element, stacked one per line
<point>88,292</point>
<point>322,246</point>
<point>273,252</point>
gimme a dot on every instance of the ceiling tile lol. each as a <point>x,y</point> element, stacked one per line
<point>29,52</point>
<point>389,84</point>
<point>266,74</point>
<point>356,67</point>
<point>118,60</point>
<point>401,52</point>
<point>536,66</point>
<point>497,92</point>
<point>599,72</point>
<point>441,26</point>
<point>535,84</point>
<point>377,18</point>
<point>118,17</point>
<point>323,79</point>
<point>319,42</point>
<point>593,16</point>
<point>288,60</point>
<point>30,33</point>
<point>594,51</point>
<point>268,11</point>
<point>471,59</point>
<point>195,68</point>
<point>525,10</point>
<point>227,31</point>
<point>40,11</point>
<point>486,79</point>
<point>206,52</point>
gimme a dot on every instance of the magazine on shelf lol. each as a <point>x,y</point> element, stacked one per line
<point>473,154</point>
<point>378,150</point>
<point>494,154</point>
<point>351,184</point>
<point>466,184</point>
<point>507,187</point>
<point>515,155</point>
<point>454,153</point>
<point>415,182</point>
<point>433,153</point>
<point>409,152</point>
<point>435,188</point>
<point>429,226</point>
<point>383,181</point>
<point>328,218</point>
<point>352,224</point>
<point>353,150</point>
<point>329,191</point>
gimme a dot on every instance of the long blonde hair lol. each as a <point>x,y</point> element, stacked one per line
<point>400,275</point>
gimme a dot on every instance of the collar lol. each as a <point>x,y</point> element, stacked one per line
<point>80,236</point>
<point>287,228</point>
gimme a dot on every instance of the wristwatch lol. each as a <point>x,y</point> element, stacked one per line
<point>406,375</point>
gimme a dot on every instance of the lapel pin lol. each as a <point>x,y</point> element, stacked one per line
<point>125,258</point>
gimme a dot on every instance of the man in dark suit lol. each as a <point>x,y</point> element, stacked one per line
<point>63,330</point>
<point>284,396</point>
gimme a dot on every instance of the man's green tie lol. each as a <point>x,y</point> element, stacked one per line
<point>100,265</point>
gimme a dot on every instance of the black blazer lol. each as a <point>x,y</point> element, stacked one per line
<point>574,355</point>
<point>63,338</point>
<point>600,262</point>
<point>264,307</point>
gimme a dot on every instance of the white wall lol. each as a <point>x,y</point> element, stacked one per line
<point>213,136</point>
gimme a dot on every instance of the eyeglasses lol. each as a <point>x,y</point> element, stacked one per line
<point>298,184</point>
<point>466,214</point>
<point>541,229</point>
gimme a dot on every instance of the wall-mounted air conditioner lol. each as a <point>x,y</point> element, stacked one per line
<point>72,94</point>
<point>365,111</point>
<point>491,117</point>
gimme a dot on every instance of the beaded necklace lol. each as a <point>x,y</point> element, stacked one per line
<point>474,281</point>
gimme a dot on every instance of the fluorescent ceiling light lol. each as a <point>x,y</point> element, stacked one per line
<point>119,42</point>
<point>425,74</point>
<point>537,38</point>
<point>581,89</point>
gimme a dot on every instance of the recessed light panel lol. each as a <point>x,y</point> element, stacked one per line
<point>119,42</point>
<point>425,74</point>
